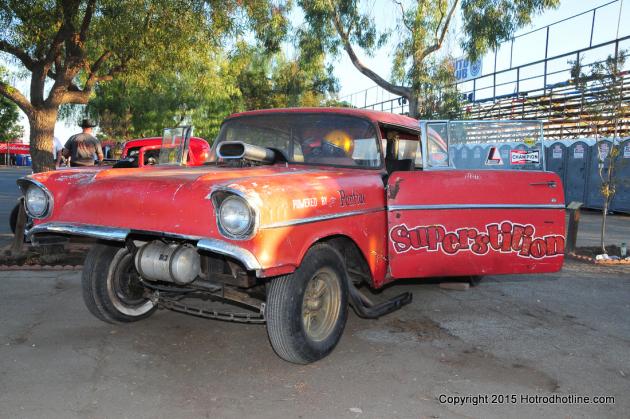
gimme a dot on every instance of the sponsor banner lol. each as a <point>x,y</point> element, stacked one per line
<point>556,152</point>
<point>466,69</point>
<point>578,151</point>
<point>494,157</point>
<point>524,157</point>
<point>15,148</point>
<point>505,237</point>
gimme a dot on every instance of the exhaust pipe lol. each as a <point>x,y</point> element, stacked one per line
<point>169,262</point>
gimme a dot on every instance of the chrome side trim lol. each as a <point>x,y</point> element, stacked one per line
<point>473,206</point>
<point>97,232</point>
<point>307,220</point>
<point>227,249</point>
<point>23,183</point>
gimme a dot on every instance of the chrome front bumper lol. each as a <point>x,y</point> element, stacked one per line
<point>221,247</point>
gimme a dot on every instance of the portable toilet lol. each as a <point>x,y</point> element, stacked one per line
<point>621,200</point>
<point>478,157</point>
<point>599,160</point>
<point>577,160</point>
<point>555,157</point>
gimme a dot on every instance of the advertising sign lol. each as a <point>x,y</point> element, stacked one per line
<point>467,70</point>
<point>524,156</point>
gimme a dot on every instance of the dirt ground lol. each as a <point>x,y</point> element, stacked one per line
<point>563,334</point>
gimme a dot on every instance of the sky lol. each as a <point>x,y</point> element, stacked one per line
<point>564,37</point>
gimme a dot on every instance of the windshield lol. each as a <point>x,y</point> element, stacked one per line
<point>307,138</point>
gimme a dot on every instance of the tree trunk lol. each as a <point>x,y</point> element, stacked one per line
<point>42,123</point>
<point>414,104</point>
<point>603,227</point>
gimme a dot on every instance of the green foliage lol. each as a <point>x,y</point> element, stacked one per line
<point>79,44</point>
<point>10,129</point>
<point>205,90</point>
<point>487,23</point>
<point>440,98</point>
<point>273,81</point>
<point>421,30</point>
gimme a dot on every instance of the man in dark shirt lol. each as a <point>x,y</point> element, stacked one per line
<point>82,147</point>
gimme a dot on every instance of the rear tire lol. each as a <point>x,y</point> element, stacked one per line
<point>307,310</point>
<point>112,290</point>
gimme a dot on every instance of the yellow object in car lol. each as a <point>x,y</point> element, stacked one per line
<point>341,139</point>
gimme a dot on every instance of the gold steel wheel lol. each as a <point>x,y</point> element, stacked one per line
<point>321,305</point>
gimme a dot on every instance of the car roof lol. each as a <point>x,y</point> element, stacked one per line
<point>378,117</point>
<point>155,141</point>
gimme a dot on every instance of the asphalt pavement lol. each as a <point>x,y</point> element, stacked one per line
<point>9,193</point>
<point>494,351</point>
<point>564,334</point>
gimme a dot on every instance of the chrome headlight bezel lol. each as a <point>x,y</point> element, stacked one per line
<point>224,197</point>
<point>32,185</point>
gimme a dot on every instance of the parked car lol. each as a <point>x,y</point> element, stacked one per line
<point>136,153</point>
<point>293,212</point>
<point>145,152</point>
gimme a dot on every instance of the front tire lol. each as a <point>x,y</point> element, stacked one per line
<point>307,310</point>
<point>111,285</point>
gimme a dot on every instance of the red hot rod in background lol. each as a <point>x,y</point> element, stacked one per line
<point>293,211</point>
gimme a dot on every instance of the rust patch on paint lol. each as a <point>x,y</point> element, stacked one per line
<point>392,190</point>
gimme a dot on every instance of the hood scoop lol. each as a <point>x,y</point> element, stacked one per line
<point>240,151</point>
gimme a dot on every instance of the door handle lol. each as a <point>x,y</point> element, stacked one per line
<point>551,184</point>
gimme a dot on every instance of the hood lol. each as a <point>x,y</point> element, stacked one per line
<point>177,200</point>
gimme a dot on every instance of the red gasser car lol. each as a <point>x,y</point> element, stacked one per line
<point>294,210</point>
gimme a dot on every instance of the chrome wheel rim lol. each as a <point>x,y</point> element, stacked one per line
<point>123,286</point>
<point>321,305</point>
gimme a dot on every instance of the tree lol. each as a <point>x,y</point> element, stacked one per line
<point>70,46</point>
<point>274,81</point>
<point>422,29</point>
<point>203,92</point>
<point>604,85</point>
<point>608,78</point>
<point>10,129</point>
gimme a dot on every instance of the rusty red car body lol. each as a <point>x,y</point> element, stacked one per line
<point>378,223</point>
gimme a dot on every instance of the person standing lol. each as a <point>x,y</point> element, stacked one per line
<point>82,147</point>
<point>57,150</point>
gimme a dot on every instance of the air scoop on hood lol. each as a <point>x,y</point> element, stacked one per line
<point>238,150</point>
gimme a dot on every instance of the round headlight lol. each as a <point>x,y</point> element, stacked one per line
<point>235,216</point>
<point>36,201</point>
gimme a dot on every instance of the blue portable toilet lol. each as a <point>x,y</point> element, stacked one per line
<point>464,156</point>
<point>478,157</point>
<point>621,200</point>
<point>577,160</point>
<point>27,160</point>
<point>505,155</point>
<point>556,159</point>
<point>599,151</point>
<point>452,156</point>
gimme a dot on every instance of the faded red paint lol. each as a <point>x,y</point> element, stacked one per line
<point>399,243</point>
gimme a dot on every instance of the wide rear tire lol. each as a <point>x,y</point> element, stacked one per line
<point>112,290</point>
<point>307,310</point>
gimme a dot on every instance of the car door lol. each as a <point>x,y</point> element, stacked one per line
<point>474,222</point>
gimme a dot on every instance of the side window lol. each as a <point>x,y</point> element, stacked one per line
<point>403,149</point>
